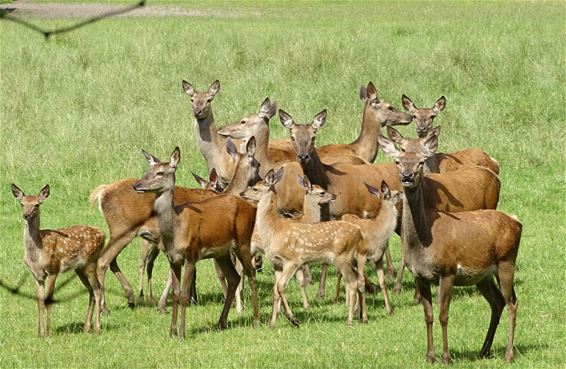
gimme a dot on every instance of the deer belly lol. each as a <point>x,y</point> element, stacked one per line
<point>466,276</point>
<point>212,252</point>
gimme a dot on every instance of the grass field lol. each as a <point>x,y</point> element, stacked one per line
<point>76,111</point>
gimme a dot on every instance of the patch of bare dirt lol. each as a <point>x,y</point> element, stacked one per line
<point>28,8</point>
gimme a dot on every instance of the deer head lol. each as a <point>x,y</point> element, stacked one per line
<point>381,110</point>
<point>303,135</point>
<point>160,177</point>
<point>212,183</point>
<point>201,101</point>
<point>315,192</point>
<point>410,163</point>
<point>423,117</point>
<point>247,166</point>
<point>253,124</point>
<point>409,144</point>
<point>30,204</point>
<point>256,192</point>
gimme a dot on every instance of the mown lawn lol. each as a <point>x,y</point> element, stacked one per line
<point>76,111</point>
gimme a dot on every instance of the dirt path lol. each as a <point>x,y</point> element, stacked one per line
<point>29,8</point>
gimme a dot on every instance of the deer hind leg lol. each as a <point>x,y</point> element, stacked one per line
<point>399,280</point>
<point>108,258</point>
<point>506,272</point>
<point>185,295</point>
<point>445,296</point>
<point>424,290</point>
<point>49,288</point>
<point>162,304</point>
<point>381,279</point>
<point>88,320</point>
<point>361,287</point>
<point>175,283</point>
<point>233,279</point>
<point>338,282</point>
<point>302,281</point>
<point>322,283</point>
<point>244,255</point>
<point>40,295</point>
<point>150,263</point>
<point>389,260</point>
<point>492,294</point>
<point>148,255</point>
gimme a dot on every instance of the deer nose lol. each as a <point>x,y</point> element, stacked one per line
<point>303,157</point>
<point>407,177</point>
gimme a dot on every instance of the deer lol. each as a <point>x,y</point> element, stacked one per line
<point>475,187</point>
<point>50,252</point>
<point>440,162</point>
<point>377,232</point>
<point>198,230</point>
<point>455,249</point>
<point>466,189</point>
<point>377,114</point>
<point>292,244</point>
<point>129,214</point>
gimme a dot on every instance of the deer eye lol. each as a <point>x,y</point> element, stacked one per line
<point>390,108</point>
<point>209,99</point>
<point>159,174</point>
<point>414,116</point>
<point>242,122</point>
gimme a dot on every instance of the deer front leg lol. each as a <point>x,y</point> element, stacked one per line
<point>286,274</point>
<point>40,293</point>
<point>49,288</point>
<point>175,282</point>
<point>322,283</point>
<point>233,279</point>
<point>162,304</point>
<point>383,285</point>
<point>184,298</point>
<point>424,289</point>
<point>445,296</point>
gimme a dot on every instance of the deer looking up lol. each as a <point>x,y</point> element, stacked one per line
<point>50,252</point>
<point>293,244</point>
<point>455,249</point>
<point>194,231</point>
<point>440,162</point>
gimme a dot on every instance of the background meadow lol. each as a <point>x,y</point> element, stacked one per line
<point>76,110</point>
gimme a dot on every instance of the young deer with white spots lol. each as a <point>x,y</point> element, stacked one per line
<point>455,249</point>
<point>194,231</point>
<point>292,244</point>
<point>50,252</point>
<point>440,162</point>
<point>377,232</point>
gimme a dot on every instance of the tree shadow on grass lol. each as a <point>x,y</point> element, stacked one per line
<point>497,352</point>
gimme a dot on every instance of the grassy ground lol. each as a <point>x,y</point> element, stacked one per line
<point>77,109</point>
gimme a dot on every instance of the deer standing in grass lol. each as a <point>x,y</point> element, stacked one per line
<point>194,231</point>
<point>440,162</point>
<point>50,252</point>
<point>455,249</point>
<point>377,232</point>
<point>292,244</point>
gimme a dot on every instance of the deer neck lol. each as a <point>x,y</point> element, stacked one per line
<point>386,220</point>
<point>239,182</point>
<point>166,217</point>
<point>431,164</point>
<point>414,228</point>
<point>316,170</point>
<point>208,140</point>
<point>32,239</point>
<point>311,211</point>
<point>262,143</point>
<point>266,217</point>
<point>366,143</point>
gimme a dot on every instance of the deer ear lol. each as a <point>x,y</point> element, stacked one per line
<point>231,149</point>
<point>363,93</point>
<point>17,192</point>
<point>319,120</point>
<point>175,158</point>
<point>430,145</point>
<point>201,181</point>
<point>267,109</point>
<point>385,190</point>
<point>305,183</point>
<point>371,91</point>
<point>435,131</point>
<point>277,176</point>
<point>214,88</point>
<point>188,88</point>
<point>408,104</point>
<point>44,193</point>
<point>374,191</point>
<point>152,160</point>
<point>251,146</point>
<point>213,179</point>
<point>387,146</point>
<point>395,135</point>
<point>285,119</point>
<point>268,179</point>
<point>439,105</point>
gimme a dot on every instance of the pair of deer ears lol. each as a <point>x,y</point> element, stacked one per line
<point>19,194</point>
<point>429,145</point>
<point>369,92</point>
<point>173,162</point>
<point>410,106</point>
<point>272,177</point>
<point>233,151</point>
<point>396,136</point>
<point>287,121</point>
<point>384,190</point>
<point>212,90</point>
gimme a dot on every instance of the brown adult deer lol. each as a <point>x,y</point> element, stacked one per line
<point>293,244</point>
<point>441,162</point>
<point>468,188</point>
<point>377,113</point>
<point>194,231</point>
<point>455,249</point>
<point>377,232</point>
<point>50,252</point>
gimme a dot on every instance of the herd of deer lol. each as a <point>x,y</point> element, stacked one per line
<point>328,205</point>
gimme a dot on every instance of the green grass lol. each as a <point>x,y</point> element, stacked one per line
<point>77,110</point>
